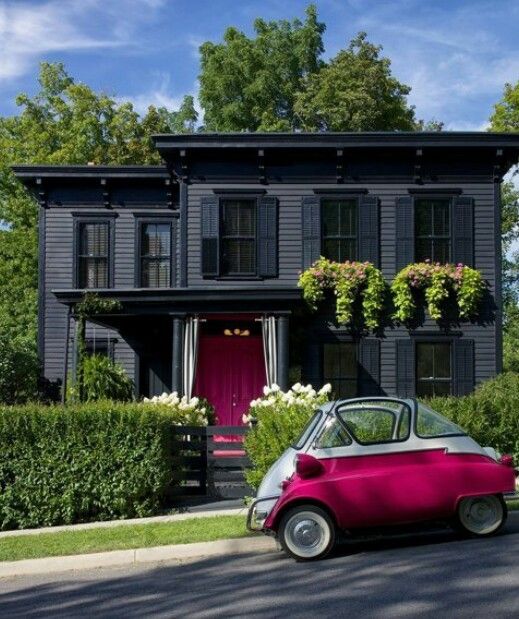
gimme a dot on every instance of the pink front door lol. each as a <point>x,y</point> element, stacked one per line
<point>230,373</point>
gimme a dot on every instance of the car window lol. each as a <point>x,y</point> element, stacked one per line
<point>307,430</point>
<point>430,424</point>
<point>377,422</point>
<point>333,435</point>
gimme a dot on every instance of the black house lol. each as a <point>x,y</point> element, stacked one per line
<point>204,254</point>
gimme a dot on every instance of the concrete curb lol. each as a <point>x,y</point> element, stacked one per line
<point>121,523</point>
<point>121,558</point>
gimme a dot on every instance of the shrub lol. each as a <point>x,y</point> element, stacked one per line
<point>103,379</point>
<point>84,462</point>
<point>277,420</point>
<point>19,369</point>
<point>193,412</point>
<point>490,415</point>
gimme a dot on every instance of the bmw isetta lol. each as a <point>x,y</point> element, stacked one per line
<point>373,462</point>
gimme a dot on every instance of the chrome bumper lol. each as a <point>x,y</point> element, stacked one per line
<point>511,496</point>
<point>256,518</point>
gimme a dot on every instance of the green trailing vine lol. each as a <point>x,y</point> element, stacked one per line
<point>351,282</point>
<point>90,305</point>
<point>438,283</point>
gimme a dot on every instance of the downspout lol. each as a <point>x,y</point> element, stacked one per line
<point>65,361</point>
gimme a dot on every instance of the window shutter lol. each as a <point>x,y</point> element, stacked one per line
<point>311,224</point>
<point>464,366</point>
<point>405,370</point>
<point>463,230</point>
<point>369,367</point>
<point>404,250</point>
<point>369,229</point>
<point>210,225</point>
<point>267,236</point>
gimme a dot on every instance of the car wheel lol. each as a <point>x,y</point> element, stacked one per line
<point>307,533</point>
<point>482,515</point>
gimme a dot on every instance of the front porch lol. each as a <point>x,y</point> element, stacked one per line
<point>223,344</point>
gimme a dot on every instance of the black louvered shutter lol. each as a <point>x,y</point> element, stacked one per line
<point>369,367</point>
<point>311,224</point>
<point>405,370</point>
<point>369,230</point>
<point>464,366</point>
<point>210,226</point>
<point>463,230</point>
<point>404,250</point>
<point>267,237</point>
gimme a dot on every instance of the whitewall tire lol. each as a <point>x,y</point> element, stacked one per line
<point>307,533</point>
<point>481,516</point>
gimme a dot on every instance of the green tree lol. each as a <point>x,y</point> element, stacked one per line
<point>356,91</point>
<point>64,123</point>
<point>506,118</point>
<point>250,84</point>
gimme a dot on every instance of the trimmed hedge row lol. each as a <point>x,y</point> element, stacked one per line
<point>84,462</point>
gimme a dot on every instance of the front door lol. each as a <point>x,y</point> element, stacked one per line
<point>230,373</point>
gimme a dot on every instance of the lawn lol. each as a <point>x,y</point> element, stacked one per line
<point>121,537</point>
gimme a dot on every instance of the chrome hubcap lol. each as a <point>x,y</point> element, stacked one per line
<point>307,534</point>
<point>481,515</point>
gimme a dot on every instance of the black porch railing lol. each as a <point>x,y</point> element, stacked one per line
<point>210,461</point>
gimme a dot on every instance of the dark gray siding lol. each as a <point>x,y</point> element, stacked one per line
<point>290,253</point>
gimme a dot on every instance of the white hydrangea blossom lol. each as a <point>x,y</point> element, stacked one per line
<point>193,413</point>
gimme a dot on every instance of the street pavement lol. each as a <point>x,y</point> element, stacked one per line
<point>427,574</point>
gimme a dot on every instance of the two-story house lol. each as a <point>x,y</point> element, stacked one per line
<point>204,254</point>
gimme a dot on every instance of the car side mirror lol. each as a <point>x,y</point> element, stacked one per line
<point>307,466</point>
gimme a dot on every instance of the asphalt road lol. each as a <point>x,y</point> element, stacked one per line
<point>428,574</point>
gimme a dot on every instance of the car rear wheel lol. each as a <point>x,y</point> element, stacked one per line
<point>482,515</point>
<point>306,533</point>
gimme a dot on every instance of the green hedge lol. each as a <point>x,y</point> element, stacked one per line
<point>78,463</point>
<point>490,415</point>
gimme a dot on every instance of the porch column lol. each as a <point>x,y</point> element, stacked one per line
<point>282,338</point>
<point>176,354</point>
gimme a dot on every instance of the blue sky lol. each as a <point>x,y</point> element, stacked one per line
<point>455,55</point>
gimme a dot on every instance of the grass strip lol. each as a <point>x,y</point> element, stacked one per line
<point>122,537</point>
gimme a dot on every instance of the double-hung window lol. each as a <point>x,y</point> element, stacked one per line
<point>340,368</point>
<point>155,255</point>
<point>433,369</point>
<point>93,255</point>
<point>238,237</point>
<point>432,230</point>
<point>339,229</point>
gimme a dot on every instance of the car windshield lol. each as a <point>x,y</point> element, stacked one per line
<point>307,430</point>
<point>430,424</point>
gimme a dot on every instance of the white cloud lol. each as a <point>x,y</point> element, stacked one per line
<point>29,30</point>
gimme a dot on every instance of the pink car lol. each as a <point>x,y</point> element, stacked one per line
<point>373,462</point>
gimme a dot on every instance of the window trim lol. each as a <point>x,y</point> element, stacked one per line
<point>389,442</point>
<point>158,219</point>
<point>222,198</point>
<point>435,340</point>
<point>450,200</point>
<point>94,218</point>
<point>341,197</point>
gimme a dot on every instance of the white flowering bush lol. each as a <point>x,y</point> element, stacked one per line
<point>277,419</point>
<point>185,412</point>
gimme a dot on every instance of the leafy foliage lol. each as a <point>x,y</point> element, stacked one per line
<point>506,112</point>
<point>105,380</point>
<point>278,419</point>
<point>355,91</point>
<point>60,465</point>
<point>490,415</point>
<point>249,84</point>
<point>18,369</point>
<point>438,283</point>
<point>357,285</point>
<point>193,412</point>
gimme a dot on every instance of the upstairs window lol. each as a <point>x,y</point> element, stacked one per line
<point>238,237</point>
<point>433,369</point>
<point>339,229</point>
<point>93,255</point>
<point>340,368</point>
<point>155,258</point>
<point>432,230</point>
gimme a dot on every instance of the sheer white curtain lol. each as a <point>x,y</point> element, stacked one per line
<point>191,328</point>
<point>268,324</point>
